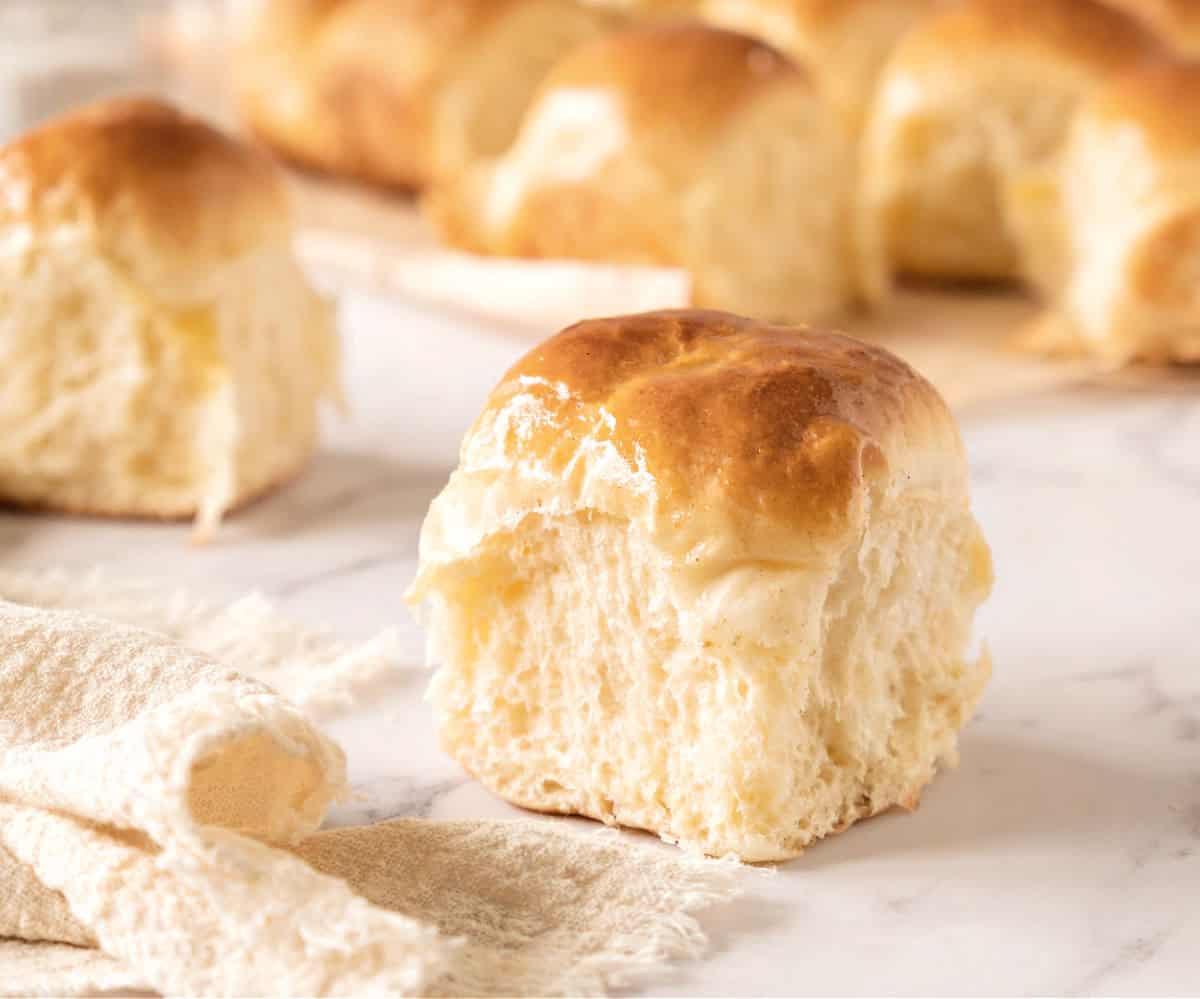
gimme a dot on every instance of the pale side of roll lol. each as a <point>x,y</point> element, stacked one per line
<point>707,577</point>
<point>163,354</point>
<point>970,97</point>
<point>1113,232</point>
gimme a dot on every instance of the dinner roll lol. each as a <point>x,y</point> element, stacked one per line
<point>707,577</point>
<point>395,91</point>
<point>1119,222</point>
<point>163,355</point>
<point>1176,21</point>
<point>844,42</point>
<point>970,96</point>
<point>677,145</point>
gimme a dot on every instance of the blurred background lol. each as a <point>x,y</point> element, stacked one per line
<point>55,54</point>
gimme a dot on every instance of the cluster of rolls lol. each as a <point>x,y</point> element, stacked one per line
<point>794,156</point>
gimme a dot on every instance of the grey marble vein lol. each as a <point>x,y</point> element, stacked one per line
<point>392,798</point>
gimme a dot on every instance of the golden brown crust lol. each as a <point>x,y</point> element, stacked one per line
<point>144,178</point>
<point>351,86</point>
<point>1164,274</point>
<point>676,81</point>
<point>1176,21</point>
<point>1085,29</point>
<point>376,68</point>
<point>775,423</point>
<point>1161,99</point>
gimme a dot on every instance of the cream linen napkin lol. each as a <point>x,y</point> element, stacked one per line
<point>318,672</point>
<point>158,817</point>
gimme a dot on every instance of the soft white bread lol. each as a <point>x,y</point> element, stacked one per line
<point>706,577</point>
<point>396,91</point>
<point>1114,231</point>
<point>1176,21</point>
<point>678,145</point>
<point>163,354</point>
<point>970,97</point>
<point>843,42</point>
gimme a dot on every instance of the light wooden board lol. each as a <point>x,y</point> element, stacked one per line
<point>960,341</point>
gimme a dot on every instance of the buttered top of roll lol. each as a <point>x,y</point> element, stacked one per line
<point>1083,29</point>
<point>727,438</point>
<point>162,194</point>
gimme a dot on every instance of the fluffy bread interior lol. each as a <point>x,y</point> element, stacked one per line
<point>929,190</point>
<point>1132,292</point>
<point>747,709</point>
<point>1119,274</point>
<point>128,401</point>
<point>935,173</point>
<point>971,100</point>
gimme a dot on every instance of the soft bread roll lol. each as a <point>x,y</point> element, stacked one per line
<point>396,91</point>
<point>844,42</point>
<point>706,577</point>
<point>1176,21</point>
<point>1118,224</point>
<point>163,355</point>
<point>969,97</point>
<point>678,145</point>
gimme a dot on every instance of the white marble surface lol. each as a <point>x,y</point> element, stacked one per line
<point>1063,856</point>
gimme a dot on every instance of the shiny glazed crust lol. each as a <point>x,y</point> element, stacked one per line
<point>767,437</point>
